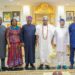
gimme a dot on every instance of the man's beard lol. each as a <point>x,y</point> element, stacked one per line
<point>45,24</point>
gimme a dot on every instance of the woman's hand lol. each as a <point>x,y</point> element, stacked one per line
<point>9,45</point>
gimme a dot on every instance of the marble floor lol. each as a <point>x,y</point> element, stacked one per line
<point>37,72</point>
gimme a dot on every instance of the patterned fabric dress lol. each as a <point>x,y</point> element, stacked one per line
<point>14,52</point>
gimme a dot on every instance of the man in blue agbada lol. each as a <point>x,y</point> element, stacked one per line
<point>28,40</point>
<point>72,42</point>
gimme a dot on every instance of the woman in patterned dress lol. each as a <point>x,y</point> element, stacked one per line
<point>14,45</point>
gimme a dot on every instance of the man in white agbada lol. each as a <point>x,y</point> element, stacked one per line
<point>45,34</point>
<point>61,40</point>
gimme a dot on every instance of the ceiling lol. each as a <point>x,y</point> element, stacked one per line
<point>35,2</point>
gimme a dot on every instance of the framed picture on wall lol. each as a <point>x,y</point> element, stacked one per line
<point>74,13</point>
<point>7,16</point>
<point>69,15</point>
<point>16,15</point>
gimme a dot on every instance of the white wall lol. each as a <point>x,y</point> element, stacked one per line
<point>60,11</point>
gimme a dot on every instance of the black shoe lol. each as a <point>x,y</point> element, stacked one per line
<point>0,69</point>
<point>26,68</point>
<point>4,68</point>
<point>71,67</point>
<point>17,69</point>
<point>41,67</point>
<point>47,67</point>
<point>7,69</point>
<point>21,68</point>
<point>10,69</point>
<point>32,68</point>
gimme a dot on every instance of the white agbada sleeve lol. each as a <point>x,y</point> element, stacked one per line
<point>37,54</point>
<point>37,30</point>
<point>54,40</point>
<point>68,38</point>
<point>54,35</point>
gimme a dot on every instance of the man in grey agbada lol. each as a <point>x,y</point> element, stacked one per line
<point>2,45</point>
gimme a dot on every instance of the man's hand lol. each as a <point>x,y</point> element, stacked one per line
<point>36,42</point>
<point>37,37</point>
<point>68,47</point>
<point>54,45</point>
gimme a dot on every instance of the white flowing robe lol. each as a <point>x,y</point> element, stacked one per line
<point>45,45</point>
<point>61,38</point>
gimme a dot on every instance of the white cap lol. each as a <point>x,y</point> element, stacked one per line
<point>45,18</point>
